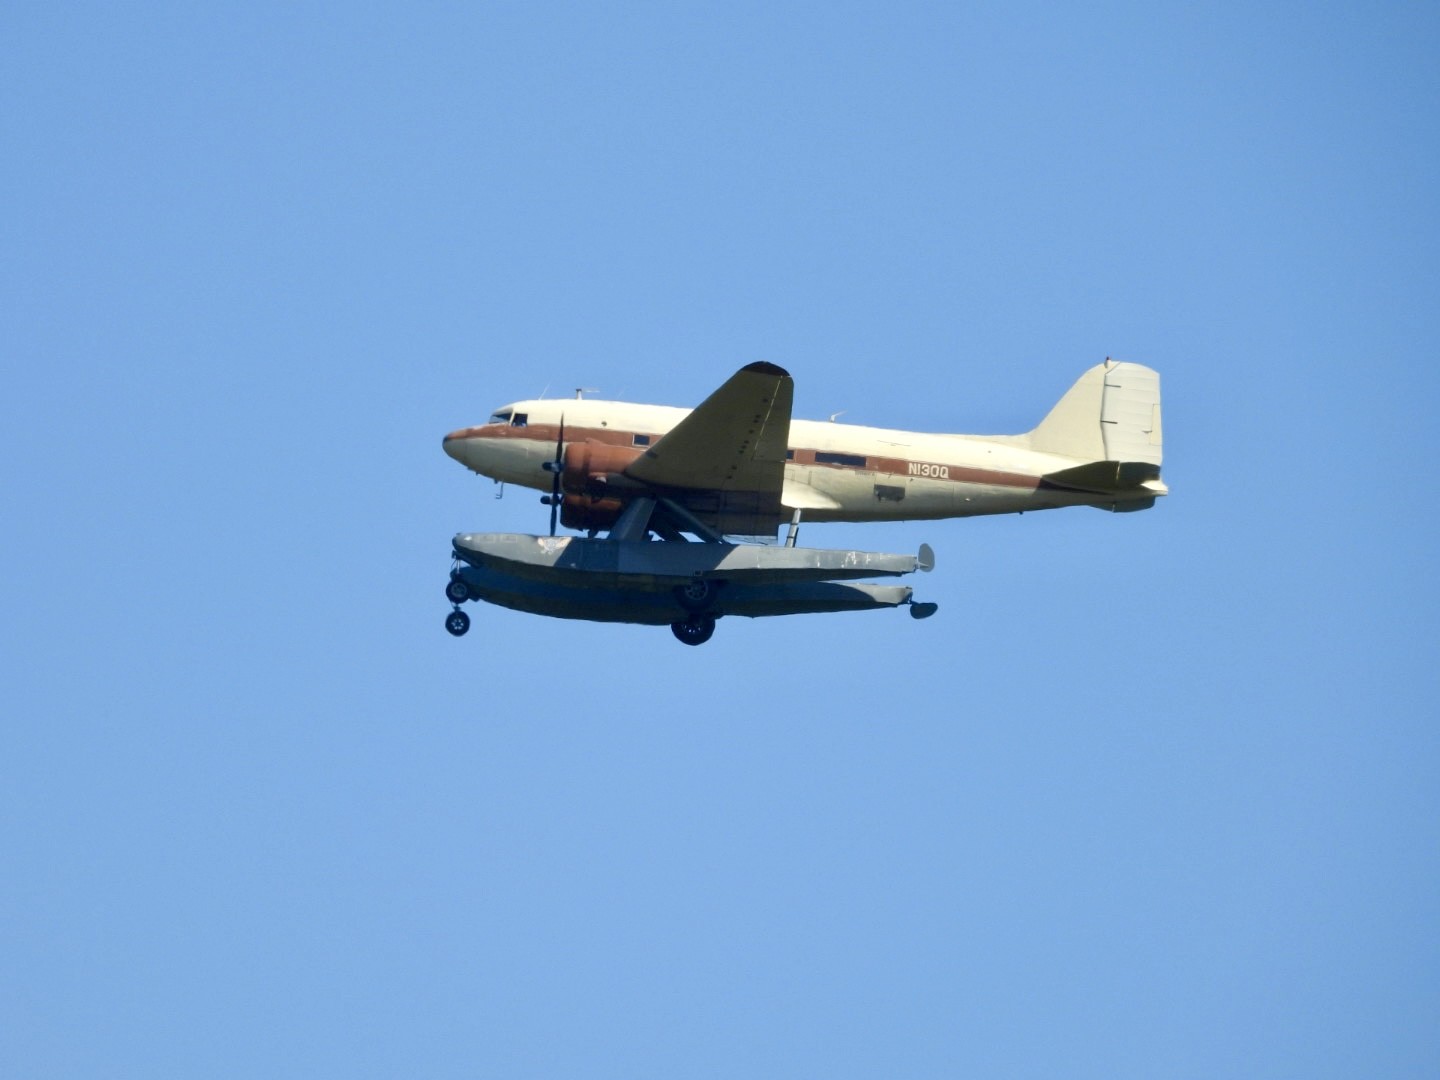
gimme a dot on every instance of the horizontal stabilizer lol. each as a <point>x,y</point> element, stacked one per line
<point>1104,476</point>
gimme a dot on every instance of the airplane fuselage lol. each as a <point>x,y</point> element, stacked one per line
<point>833,471</point>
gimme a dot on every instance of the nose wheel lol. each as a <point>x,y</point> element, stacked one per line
<point>695,630</point>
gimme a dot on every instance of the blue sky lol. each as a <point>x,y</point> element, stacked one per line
<point>1154,795</point>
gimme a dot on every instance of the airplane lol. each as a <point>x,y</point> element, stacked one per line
<point>738,467</point>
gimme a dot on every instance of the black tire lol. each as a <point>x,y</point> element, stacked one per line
<point>696,595</point>
<point>457,622</point>
<point>457,592</point>
<point>693,631</point>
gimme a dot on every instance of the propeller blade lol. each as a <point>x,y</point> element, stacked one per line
<point>555,475</point>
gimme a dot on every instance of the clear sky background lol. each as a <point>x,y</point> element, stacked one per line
<point>1153,795</point>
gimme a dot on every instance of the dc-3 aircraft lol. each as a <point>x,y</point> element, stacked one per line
<point>736,466</point>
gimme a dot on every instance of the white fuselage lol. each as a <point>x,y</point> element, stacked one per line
<point>835,472</point>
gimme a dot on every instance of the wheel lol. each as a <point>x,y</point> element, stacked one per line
<point>457,622</point>
<point>457,592</point>
<point>694,631</point>
<point>696,595</point>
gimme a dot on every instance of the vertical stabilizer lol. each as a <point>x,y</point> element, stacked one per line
<point>1112,413</point>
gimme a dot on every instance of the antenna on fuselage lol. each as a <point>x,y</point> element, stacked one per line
<point>836,415</point>
<point>581,391</point>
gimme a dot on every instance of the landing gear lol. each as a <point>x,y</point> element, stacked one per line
<point>696,595</point>
<point>457,592</point>
<point>695,630</point>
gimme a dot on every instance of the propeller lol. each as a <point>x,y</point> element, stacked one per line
<point>555,468</point>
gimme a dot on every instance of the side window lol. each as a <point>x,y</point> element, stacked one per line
<point>520,419</point>
<point>642,440</point>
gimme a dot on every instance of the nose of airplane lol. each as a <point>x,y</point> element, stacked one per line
<point>457,443</point>
<point>451,443</point>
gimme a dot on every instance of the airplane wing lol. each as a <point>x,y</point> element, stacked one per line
<point>725,462</point>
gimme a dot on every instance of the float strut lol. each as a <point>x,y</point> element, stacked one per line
<point>794,533</point>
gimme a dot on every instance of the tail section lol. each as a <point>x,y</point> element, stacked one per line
<point>1112,413</point>
<point>1109,420</point>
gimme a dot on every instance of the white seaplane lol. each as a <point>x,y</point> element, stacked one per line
<point>673,489</point>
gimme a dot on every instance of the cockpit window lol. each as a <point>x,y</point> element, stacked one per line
<point>510,417</point>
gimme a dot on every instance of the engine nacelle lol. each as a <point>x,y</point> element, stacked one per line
<point>587,512</point>
<point>588,463</point>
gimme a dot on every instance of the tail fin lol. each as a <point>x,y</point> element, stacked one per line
<point>1112,413</point>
